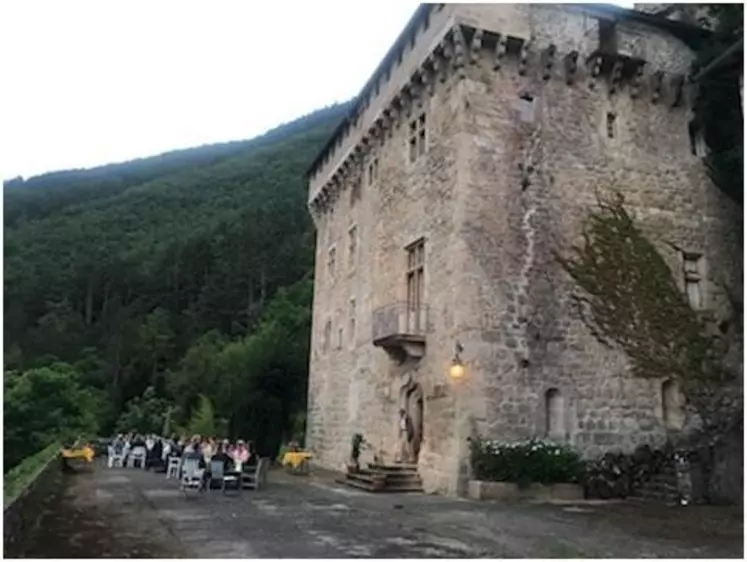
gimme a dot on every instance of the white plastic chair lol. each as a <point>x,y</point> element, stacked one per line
<point>137,454</point>
<point>114,459</point>
<point>172,469</point>
<point>191,476</point>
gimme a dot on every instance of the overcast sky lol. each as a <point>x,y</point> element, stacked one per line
<point>87,82</point>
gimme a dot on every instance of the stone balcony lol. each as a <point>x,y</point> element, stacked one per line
<point>400,329</point>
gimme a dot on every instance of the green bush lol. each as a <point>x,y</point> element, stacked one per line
<point>524,462</point>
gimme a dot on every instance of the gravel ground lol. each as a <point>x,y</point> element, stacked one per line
<point>135,514</point>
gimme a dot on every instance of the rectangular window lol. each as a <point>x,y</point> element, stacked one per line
<point>611,124</point>
<point>373,171</point>
<point>339,338</point>
<point>352,322</point>
<point>525,107</point>
<point>331,258</point>
<point>355,191</point>
<point>417,137</point>
<point>415,285</point>
<point>352,246</point>
<point>697,141</point>
<point>327,335</point>
<point>693,273</point>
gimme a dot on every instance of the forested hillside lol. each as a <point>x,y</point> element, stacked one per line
<point>132,289</point>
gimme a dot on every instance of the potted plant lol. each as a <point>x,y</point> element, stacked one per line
<point>355,453</point>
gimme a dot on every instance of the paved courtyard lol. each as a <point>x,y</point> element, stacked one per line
<point>137,514</point>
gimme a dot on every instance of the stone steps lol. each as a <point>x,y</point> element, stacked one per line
<point>385,479</point>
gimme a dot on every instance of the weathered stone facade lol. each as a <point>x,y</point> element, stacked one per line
<point>528,111</point>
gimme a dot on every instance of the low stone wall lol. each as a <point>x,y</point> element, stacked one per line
<point>22,514</point>
<point>482,490</point>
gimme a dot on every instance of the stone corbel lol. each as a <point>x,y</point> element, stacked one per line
<point>416,89</point>
<point>677,86</point>
<point>595,69</point>
<point>657,83</point>
<point>637,82</point>
<point>570,64</point>
<point>501,47</point>
<point>406,100</point>
<point>386,121</point>
<point>396,111</point>
<point>616,77</point>
<point>460,50</point>
<point>448,55</point>
<point>475,47</point>
<point>436,67</point>
<point>548,60</point>
<point>430,72</point>
<point>526,48</point>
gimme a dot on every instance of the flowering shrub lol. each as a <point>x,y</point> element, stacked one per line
<point>524,462</point>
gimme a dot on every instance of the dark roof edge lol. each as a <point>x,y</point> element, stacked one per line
<point>675,27</point>
<point>720,60</point>
<point>391,54</point>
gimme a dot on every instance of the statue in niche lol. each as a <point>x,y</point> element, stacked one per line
<point>410,429</point>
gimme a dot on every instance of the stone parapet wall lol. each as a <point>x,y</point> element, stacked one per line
<point>22,514</point>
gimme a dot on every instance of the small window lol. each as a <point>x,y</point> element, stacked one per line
<point>373,171</point>
<point>327,335</point>
<point>355,191</point>
<point>554,414</point>
<point>526,108</point>
<point>339,338</point>
<point>331,258</point>
<point>352,246</point>
<point>697,141</point>
<point>693,274</point>
<point>417,137</point>
<point>399,58</point>
<point>351,329</point>
<point>611,124</point>
<point>672,405</point>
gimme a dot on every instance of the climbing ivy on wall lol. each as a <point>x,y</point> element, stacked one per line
<point>629,298</point>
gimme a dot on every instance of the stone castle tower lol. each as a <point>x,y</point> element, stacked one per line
<point>473,152</point>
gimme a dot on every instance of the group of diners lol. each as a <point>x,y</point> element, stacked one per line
<point>154,451</point>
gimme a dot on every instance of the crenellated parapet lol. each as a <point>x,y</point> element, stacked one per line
<point>604,70</point>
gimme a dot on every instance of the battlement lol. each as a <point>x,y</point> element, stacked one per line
<point>586,47</point>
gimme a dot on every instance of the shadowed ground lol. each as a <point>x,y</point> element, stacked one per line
<point>137,514</point>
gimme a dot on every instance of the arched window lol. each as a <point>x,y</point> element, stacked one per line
<point>554,414</point>
<point>672,406</point>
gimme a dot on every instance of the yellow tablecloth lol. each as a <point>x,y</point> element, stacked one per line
<point>295,459</point>
<point>83,453</point>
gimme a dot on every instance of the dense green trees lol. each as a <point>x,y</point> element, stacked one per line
<point>166,274</point>
<point>719,107</point>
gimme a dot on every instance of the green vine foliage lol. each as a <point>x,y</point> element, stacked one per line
<point>628,297</point>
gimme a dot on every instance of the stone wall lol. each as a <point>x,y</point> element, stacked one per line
<point>490,230</point>
<point>523,333</point>
<point>22,515</point>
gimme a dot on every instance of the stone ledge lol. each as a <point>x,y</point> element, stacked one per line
<point>483,490</point>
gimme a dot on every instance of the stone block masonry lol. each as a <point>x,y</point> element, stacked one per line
<point>488,139</point>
